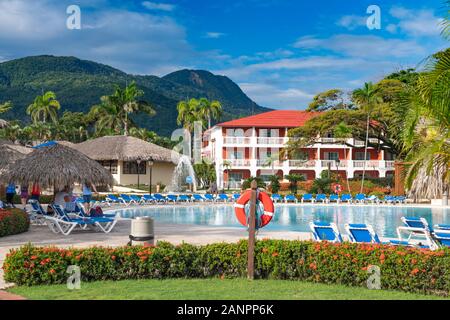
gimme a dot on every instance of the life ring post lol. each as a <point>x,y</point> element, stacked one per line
<point>252,232</point>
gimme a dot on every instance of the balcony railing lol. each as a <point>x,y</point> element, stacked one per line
<point>302,163</point>
<point>333,164</point>
<point>390,164</point>
<point>369,163</point>
<point>266,163</point>
<point>236,140</point>
<point>270,140</point>
<point>238,162</point>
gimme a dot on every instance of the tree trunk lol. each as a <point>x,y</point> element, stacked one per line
<point>365,152</point>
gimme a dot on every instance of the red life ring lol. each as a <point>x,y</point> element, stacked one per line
<point>269,209</point>
<point>337,188</point>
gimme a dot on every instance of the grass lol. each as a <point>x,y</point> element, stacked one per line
<point>182,289</point>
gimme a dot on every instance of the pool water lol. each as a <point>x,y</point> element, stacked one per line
<point>384,219</point>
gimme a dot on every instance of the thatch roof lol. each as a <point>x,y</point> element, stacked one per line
<point>57,166</point>
<point>9,153</point>
<point>125,148</point>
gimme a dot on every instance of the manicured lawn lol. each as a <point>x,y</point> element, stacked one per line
<point>210,289</point>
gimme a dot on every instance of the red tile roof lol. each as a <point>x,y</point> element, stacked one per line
<point>272,119</point>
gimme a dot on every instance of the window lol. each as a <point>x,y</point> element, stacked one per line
<point>360,156</point>
<point>110,165</point>
<point>132,167</point>
<point>331,156</point>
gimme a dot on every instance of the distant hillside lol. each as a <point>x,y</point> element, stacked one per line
<point>79,84</point>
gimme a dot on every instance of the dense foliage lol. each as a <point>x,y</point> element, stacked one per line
<point>13,221</point>
<point>402,268</point>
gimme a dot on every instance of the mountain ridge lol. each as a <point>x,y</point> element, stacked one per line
<point>79,84</point>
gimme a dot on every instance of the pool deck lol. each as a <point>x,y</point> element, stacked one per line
<point>174,233</point>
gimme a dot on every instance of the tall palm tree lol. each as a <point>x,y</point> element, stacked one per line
<point>44,107</point>
<point>113,113</point>
<point>366,98</point>
<point>188,113</point>
<point>5,107</point>
<point>209,110</point>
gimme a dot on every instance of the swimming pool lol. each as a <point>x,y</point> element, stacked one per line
<point>384,219</point>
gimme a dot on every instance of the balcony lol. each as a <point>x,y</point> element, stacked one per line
<point>271,140</point>
<point>333,164</point>
<point>265,163</point>
<point>369,164</point>
<point>238,162</point>
<point>302,163</point>
<point>236,140</point>
<point>389,164</point>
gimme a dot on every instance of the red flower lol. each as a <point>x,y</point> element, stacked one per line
<point>52,271</point>
<point>275,254</point>
<point>265,250</point>
<point>313,266</point>
<point>414,271</point>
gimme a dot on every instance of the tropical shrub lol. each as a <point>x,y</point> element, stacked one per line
<point>13,221</point>
<point>402,268</point>
<point>274,184</point>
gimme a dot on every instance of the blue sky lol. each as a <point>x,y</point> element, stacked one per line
<point>280,52</point>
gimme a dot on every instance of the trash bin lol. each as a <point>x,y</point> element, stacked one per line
<point>142,231</point>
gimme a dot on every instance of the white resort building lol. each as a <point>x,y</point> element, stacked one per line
<point>252,146</point>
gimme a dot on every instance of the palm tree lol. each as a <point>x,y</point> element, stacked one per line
<point>114,111</point>
<point>44,107</point>
<point>188,113</point>
<point>366,98</point>
<point>270,162</point>
<point>209,110</point>
<point>343,132</point>
<point>5,107</point>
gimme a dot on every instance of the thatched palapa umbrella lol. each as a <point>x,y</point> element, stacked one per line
<point>55,165</point>
<point>9,153</point>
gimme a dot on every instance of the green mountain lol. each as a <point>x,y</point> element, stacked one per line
<point>79,84</point>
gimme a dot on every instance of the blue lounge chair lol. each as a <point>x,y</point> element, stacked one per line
<point>389,199</point>
<point>417,227</point>
<point>209,197</point>
<point>236,196</point>
<point>137,199</point>
<point>63,223</point>
<point>290,198</point>
<point>334,198</point>
<point>308,197</point>
<point>223,197</point>
<point>443,238</point>
<point>346,197</point>
<point>198,197</point>
<point>322,197</point>
<point>276,197</point>
<point>172,198</point>
<point>400,199</point>
<point>36,213</point>
<point>183,198</point>
<point>127,199</point>
<point>445,227</point>
<point>325,231</point>
<point>111,198</point>
<point>360,197</point>
<point>81,212</point>
<point>148,198</point>
<point>361,233</point>
<point>373,199</point>
<point>160,198</point>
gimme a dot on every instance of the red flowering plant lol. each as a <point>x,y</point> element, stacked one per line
<point>13,221</point>
<point>407,269</point>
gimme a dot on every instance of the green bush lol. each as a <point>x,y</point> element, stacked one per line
<point>402,268</point>
<point>13,221</point>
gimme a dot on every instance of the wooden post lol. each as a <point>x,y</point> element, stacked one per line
<point>251,233</point>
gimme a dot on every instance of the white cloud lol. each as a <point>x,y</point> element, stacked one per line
<point>214,35</point>
<point>352,22</point>
<point>158,6</point>
<point>416,23</point>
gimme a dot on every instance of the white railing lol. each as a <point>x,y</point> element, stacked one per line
<point>369,164</point>
<point>389,164</point>
<point>271,140</point>
<point>266,163</point>
<point>302,163</point>
<point>238,162</point>
<point>358,143</point>
<point>236,140</point>
<point>333,164</point>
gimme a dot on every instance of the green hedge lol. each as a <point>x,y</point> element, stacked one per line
<point>13,221</point>
<point>407,269</point>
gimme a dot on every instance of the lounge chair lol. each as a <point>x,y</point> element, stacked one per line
<point>223,197</point>
<point>160,198</point>
<point>36,213</point>
<point>209,197</point>
<point>127,199</point>
<point>400,199</point>
<point>148,198</point>
<point>290,198</point>
<point>81,212</point>
<point>361,233</point>
<point>361,198</point>
<point>276,197</point>
<point>63,223</point>
<point>111,198</point>
<point>346,197</point>
<point>389,199</point>
<point>325,231</point>
<point>198,197</point>
<point>137,199</point>
<point>183,198</point>
<point>373,199</point>
<point>236,196</point>
<point>418,227</point>
<point>442,237</point>
<point>334,198</point>
<point>444,227</point>
<point>172,198</point>
<point>322,197</point>
<point>308,197</point>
